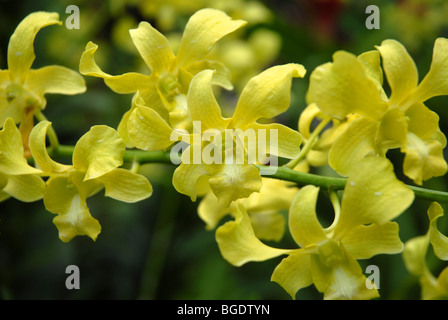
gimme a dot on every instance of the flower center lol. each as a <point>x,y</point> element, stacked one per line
<point>169,86</point>
<point>330,252</point>
<point>20,97</point>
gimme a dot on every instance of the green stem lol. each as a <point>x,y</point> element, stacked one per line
<point>139,156</point>
<point>148,156</point>
<point>309,143</point>
<point>282,173</point>
<point>333,183</point>
<point>61,151</point>
<point>303,179</point>
<point>135,166</point>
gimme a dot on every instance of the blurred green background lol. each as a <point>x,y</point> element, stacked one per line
<point>159,248</point>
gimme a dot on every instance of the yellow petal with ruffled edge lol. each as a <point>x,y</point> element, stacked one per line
<point>392,130</point>
<point>54,79</point>
<point>264,209</point>
<point>202,104</point>
<point>329,136</point>
<point>186,177</point>
<point>266,95</point>
<point>12,159</point>
<point>147,130</point>
<point>400,70</point>
<point>99,151</point>
<point>372,63</point>
<point>442,284</point>
<point>234,181</point>
<point>306,119</point>
<point>153,47</point>
<point>20,49</point>
<point>277,139</point>
<point>356,142</point>
<point>443,280</point>
<point>86,188</point>
<point>269,226</point>
<point>339,276</point>
<point>137,100</point>
<point>238,243</point>
<point>125,83</point>
<point>344,87</point>
<point>304,225</point>
<point>26,188</point>
<point>39,150</point>
<point>435,82</point>
<point>152,98</point>
<point>126,186</point>
<point>414,255</point>
<point>425,142</point>
<point>366,241</point>
<point>129,82</point>
<point>222,76</point>
<point>423,158</point>
<point>203,30</point>
<point>293,273</point>
<point>372,194</point>
<point>274,195</point>
<point>430,289</point>
<point>211,212</point>
<point>316,158</point>
<point>439,241</point>
<point>179,115</point>
<point>73,216</point>
<point>423,122</point>
<point>122,129</point>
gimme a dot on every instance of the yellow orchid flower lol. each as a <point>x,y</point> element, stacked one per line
<point>263,208</point>
<point>438,241</point>
<point>353,85</point>
<point>211,154</point>
<point>17,178</point>
<point>414,256</point>
<point>165,89</point>
<point>317,155</point>
<point>96,159</point>
<point>22,89</point>
<point>327,256</point>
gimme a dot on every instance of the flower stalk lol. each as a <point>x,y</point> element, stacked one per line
<point>282,173</point>
<point>309,143</point>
